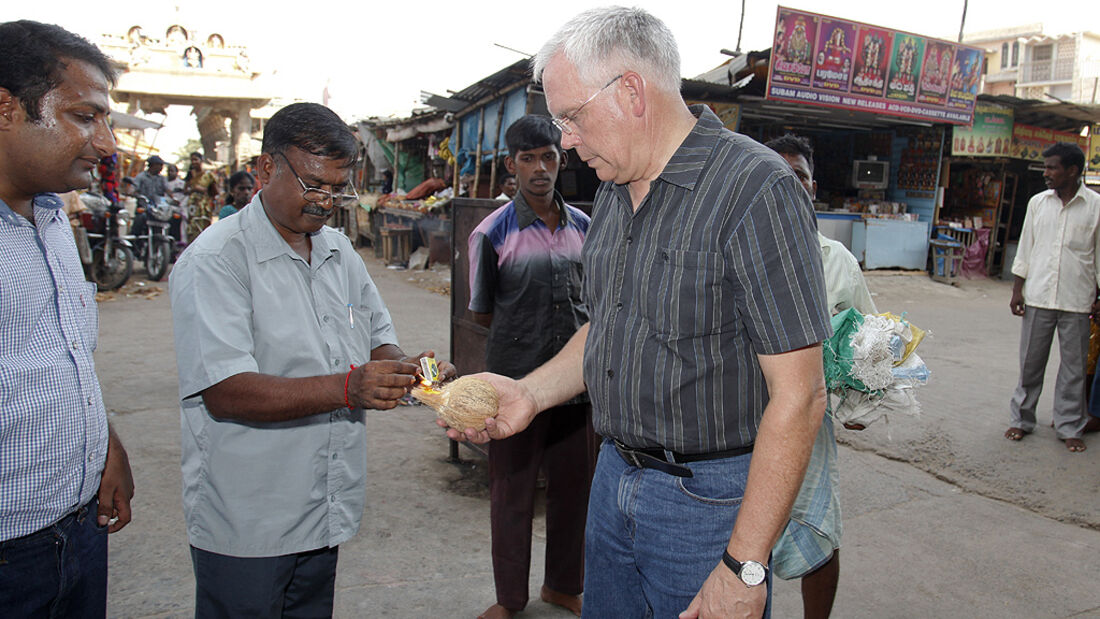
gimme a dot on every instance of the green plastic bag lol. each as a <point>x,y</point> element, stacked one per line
<point>837,352</point>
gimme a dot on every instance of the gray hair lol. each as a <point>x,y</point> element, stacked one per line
<point>605,41</point>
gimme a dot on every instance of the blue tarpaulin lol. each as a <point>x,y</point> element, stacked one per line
<point>515,106</point>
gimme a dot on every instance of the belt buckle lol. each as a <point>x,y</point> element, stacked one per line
<point>629,455</point>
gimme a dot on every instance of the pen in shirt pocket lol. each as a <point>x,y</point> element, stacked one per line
<point>351,316</point>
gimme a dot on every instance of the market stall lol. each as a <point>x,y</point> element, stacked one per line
<point>407,204</point>
<point>876,104</point>
<point>994,167</point>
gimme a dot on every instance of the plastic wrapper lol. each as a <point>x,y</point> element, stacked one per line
<point>871,364</point>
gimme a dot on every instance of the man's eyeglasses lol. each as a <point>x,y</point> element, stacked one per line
<point>316,195</point>
<point>566,122</point>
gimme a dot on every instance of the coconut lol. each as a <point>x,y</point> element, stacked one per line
<point>464,403</point>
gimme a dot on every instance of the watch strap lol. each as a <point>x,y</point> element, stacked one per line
<point>733,564</point>
<point>736,567</point>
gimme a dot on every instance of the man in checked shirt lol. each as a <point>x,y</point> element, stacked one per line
<point>65,479</point>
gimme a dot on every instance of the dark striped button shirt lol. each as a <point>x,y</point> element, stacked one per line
<point>719,264</point>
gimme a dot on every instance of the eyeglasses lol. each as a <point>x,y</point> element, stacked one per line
<point>316,195</point>
<point>565,122</point>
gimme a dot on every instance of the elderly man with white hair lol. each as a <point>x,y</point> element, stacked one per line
<point>702,357</point>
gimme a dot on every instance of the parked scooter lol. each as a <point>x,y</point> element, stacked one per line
<point>152,242</point>
<point>107,255</point>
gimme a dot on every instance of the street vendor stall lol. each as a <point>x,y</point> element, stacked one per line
<point>411,155</point>
<point>995,166</point>
<point>875,103</point>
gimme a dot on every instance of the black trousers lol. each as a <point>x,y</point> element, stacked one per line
<point>560,439</point>
<point>290,586</point>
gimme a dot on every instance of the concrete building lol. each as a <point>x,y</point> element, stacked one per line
<point>183,67</point>
<point>1027,63</point>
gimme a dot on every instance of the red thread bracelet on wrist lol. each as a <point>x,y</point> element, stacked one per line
<point>346,380</point>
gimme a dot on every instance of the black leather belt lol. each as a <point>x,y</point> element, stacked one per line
<point>657,459</point>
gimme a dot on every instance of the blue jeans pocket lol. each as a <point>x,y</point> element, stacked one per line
<point>715,482</point>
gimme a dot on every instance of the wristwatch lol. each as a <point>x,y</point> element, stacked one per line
<point>751,573</point>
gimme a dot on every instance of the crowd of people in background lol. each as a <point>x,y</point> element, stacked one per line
<point>203,195</point>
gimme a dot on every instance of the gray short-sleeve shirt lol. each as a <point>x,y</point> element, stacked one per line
<point>243,301</point>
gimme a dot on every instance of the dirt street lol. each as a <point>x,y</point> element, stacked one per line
<point>943,516</point>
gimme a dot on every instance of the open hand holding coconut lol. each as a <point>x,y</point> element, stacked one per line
<point>462,404</point>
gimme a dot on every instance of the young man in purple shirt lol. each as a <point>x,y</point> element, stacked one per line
<point>525,285</point>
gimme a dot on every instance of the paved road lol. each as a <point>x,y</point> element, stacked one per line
<point>943,517</point>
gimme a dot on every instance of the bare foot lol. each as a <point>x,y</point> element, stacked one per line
<point>1093,424</point>
<point>1074,444</point>
<point>569,602</point>
<point>496,611</point>
<point>1014,434</point>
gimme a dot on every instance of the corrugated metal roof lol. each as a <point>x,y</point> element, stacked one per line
<point>1062,116</point>
<point>516,72</point>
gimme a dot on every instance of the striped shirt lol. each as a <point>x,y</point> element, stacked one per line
<point>719,264</point>
<point>529,278</point>
<point>53,427</point>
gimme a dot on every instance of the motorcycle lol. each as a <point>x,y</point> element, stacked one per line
<point>107,255</point>
<point>153,243</point>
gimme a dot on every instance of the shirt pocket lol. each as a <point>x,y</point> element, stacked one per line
<point>1081,237</point>
<point>683,293</point>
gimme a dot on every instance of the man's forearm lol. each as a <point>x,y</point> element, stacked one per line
<point>261,397</point>
<point>782,450</point>
<point>562,377</point>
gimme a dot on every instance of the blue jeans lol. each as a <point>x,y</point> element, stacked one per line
<point>652,538</point>
<point>58,571</point>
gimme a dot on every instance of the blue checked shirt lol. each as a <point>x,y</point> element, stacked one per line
<point>53,426</point>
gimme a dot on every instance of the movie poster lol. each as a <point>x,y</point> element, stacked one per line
<point>905,67</point>
<point>936,76</point>
<point>793,52</point>
<point>871,61</point>
<point>966,74</point>
<point>833,66</point>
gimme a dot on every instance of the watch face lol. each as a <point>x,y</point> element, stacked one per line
<point>752,573</point>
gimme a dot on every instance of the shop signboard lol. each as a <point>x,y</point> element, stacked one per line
<point>1092,157</point>
<point>1028,143</point>
<point>728,113</point>
<point>822,60</point>
<point>989,136</point>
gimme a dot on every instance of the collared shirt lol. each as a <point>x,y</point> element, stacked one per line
<point>1059,251</point>
<point>718,264</point>
<point>529,278</point>
<point>152,187</point>
<point>53,426</point>
<point>844,283</point>
<point>244,301</point>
